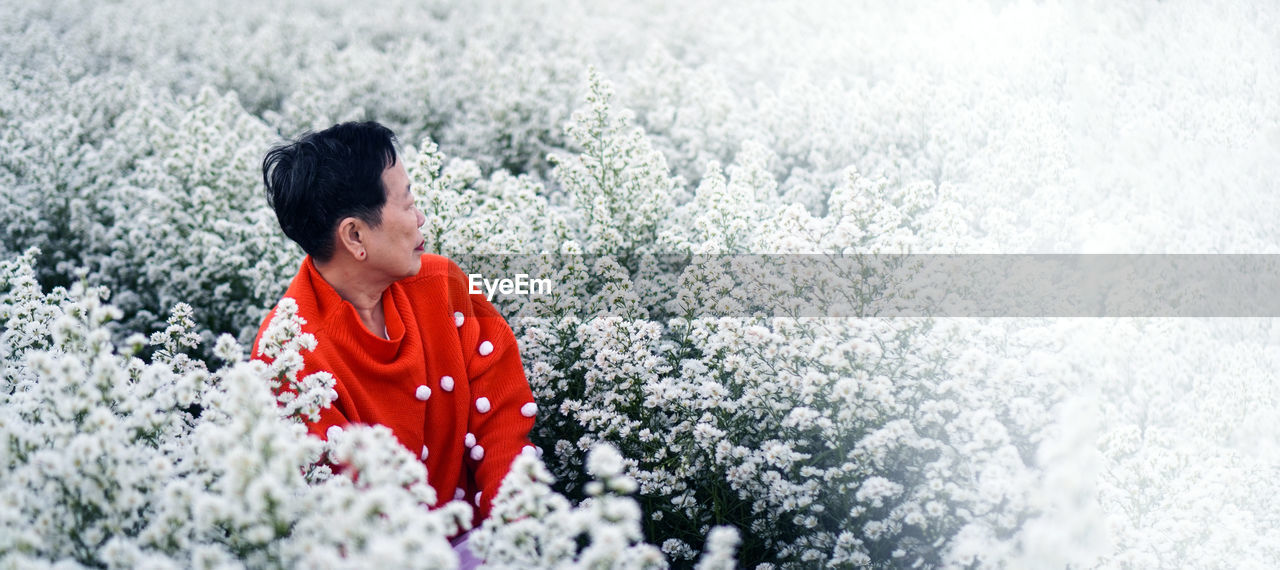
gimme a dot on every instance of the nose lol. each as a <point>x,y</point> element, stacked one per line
<point>422,218</point>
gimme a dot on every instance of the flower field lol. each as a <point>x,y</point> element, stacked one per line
<point>679,426</point>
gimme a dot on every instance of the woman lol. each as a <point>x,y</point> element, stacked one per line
<point>410,348</point>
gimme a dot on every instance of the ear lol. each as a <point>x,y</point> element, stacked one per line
<point>349,237</point>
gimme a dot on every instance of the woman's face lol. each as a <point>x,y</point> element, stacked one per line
<point>396,246</point>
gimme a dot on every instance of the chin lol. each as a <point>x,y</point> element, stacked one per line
<point>412,269</point>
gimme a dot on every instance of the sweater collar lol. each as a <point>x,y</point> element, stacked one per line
<point>340,320</point>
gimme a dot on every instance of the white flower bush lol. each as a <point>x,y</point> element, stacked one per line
<point>534,527</point>
<point>162,207</point>
<point>113,460</point>
<point>840,443</point>
<point>607,145</point>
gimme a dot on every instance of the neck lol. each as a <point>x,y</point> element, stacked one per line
<point>362,290</point>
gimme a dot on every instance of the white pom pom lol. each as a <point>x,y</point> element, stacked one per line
<point>486,348</point>
<point>446,383</point>
<point>423,392</point>
<point>469,440</point>
<point>424,453</point>
<point>458,494</point>
<point>458,318</point>
<point>478,493</point>
<point>332,432</point>
<point>482,405</point>
<point>529,450</point>
<point>529,410</point>
<point>477,452</point>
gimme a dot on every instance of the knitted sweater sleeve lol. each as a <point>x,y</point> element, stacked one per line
<point>501,408</point>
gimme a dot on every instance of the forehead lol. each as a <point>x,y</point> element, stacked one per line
<point>395,179</point>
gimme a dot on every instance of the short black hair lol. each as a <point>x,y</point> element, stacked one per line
<point>318,179</point>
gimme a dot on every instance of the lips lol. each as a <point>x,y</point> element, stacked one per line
<point>421,246</point>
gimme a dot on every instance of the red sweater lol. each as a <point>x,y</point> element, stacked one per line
<point>449,382</point>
